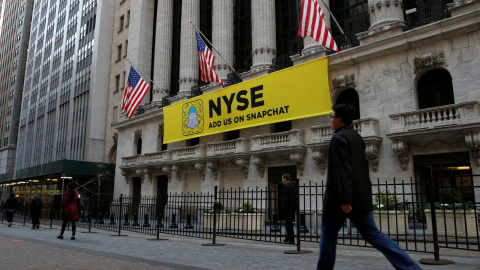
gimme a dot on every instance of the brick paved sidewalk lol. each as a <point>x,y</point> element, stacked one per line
<point>102,251</point>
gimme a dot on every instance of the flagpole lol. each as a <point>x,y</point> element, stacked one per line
<point>137,68</point>
<point>213,47</point>
<point>333,17</point>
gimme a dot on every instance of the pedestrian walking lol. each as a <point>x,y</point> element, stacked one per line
<point>288,205</point>
<point>35,211</point>
<point>348,194</point>
<point>10,207</point>
<point>69,209</point>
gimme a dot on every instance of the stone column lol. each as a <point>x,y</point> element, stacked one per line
<point>189,68</point>
<point>264,47</point>
<point>222,35</point>
<point>163,50</point>
<point>310,44</point>
<point>386,20</point>
<point>140,37</point>
<point>384,13</point>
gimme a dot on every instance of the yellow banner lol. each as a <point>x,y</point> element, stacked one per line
<point>297,92</point>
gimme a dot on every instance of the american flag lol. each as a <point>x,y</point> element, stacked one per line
<point>134,92</point>
<point>206,60</point>
<point>312,24</point>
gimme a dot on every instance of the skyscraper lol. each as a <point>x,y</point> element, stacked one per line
<point>15,18</point>
<point>63,115</point>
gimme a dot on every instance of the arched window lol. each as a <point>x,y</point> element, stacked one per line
<point>350,96</point>
<point>434,89</point>
<point>139,146</point>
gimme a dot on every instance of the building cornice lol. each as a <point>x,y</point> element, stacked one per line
<point>440,30</point>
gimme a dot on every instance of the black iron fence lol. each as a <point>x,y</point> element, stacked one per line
<point>419,215</point>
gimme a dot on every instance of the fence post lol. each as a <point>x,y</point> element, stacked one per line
<point>120,216</point>
<point>112,219</point>
<point>24,211</point>
<point>214,220</point>
<point>436,250</point>
<point>189,225</point>
<point>146,222</point>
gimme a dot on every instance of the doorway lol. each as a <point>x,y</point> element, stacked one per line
<point>162,194</point>
<point>445,170</point>
<point>136,194</point>
<point>275,185</point>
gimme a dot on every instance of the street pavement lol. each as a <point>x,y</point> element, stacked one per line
<point>24,248</point>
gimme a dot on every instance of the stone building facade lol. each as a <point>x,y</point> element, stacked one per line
<point>416,88</point>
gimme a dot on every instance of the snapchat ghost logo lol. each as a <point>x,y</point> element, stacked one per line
<point>192,117</point>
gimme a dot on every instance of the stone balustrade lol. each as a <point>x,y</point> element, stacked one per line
<point>366,127</point>
<point>436,117</point>
<point>292,138</point>
<point>192,152</point>
<point>236,146</point>
<point>158,157</point>
<point>133,160</point>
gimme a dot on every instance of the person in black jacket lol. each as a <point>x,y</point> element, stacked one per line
<point>10,207</point>
<point>349,194</point>
<point>35,211</point>
<point>289,199</point>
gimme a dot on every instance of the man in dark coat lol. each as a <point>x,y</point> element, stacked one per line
<point>289,203</point>
<point>10,207</point>
<point>35,211</point>
<point>349,194</point>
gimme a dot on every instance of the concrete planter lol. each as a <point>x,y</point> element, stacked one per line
<point>460,224</point>
<point>223,221</point>
<point>247,222</point>
<point>391,222</point>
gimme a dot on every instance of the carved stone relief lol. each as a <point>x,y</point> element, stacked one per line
<point>178,170</point>
<point>200,167</point>
<point>243,162</point>
<point>344,81</point>
<point>428,60</point>
<point>213,166</point>
<point>437,145</point>
<point>473,141</point>
<point>138,134</point>
<point>260,163</point>
<point>400,147</point>
<point>321,158</point>
<point>115,138</point>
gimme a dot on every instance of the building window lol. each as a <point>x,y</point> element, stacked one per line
<point>122,19</point>
<point>350,96</point>
<point>282,126</point>
<point>353,16</point>
<point>124,79</point>
<point>288,17</point>
<point>128,19</point>
<point>126,49</point>
<point>435,89</point>
<point>193,142</point>
<point>117,83</point>
<point>119,52</point>
<point>243,35</point>
<point>175,71</point>
<point>231,135</point>
<point>139,146</point>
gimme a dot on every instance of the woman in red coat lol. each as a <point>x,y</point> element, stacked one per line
<point>69,209</point>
